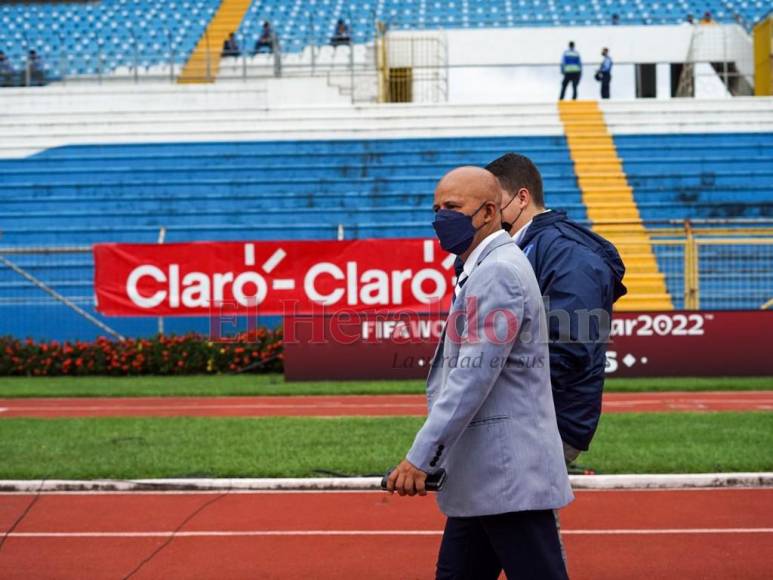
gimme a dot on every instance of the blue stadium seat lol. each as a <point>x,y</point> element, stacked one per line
<point>79,33</point>
<point>699,176</point>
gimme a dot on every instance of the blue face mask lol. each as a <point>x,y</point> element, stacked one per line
<point>454,229</point>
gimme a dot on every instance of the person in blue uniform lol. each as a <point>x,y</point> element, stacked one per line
<point>604,74</point>
<point>571,68</point>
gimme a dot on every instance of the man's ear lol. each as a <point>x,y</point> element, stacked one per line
<point>492,209</point>
<point>524,197</point>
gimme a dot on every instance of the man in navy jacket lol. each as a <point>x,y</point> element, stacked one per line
<point>580,276</point>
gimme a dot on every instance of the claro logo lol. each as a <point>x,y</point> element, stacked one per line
<point>325,283</point>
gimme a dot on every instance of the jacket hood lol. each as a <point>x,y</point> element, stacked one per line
<point>569,229</point>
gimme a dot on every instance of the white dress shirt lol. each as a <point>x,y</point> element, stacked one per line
<point>518,236</point>
<point>469,263</point>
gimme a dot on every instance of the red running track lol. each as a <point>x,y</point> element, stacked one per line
<point>636,535</point>
<point>326,406</point>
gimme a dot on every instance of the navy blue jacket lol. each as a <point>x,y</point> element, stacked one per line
<point>576,270</point>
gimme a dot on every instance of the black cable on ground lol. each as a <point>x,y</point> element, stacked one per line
<point>575,469</point>
<point>257,364</point>
<point>23,514</point>
<point>174,533</point>
<point>332,473</point>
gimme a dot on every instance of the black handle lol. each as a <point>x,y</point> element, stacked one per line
<point>434,481</point>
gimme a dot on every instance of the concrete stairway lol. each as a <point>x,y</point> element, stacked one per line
<point>204,63</point>
<point>609,198</point>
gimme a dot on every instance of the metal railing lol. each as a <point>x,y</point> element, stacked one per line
<point>713,263</point>
<point>368,78</point>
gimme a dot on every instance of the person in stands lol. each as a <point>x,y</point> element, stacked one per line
<point>341,34</point>
<point>266,41</point>
<point>37,75</point>
<point>231,47</point>
<point>6,71</point>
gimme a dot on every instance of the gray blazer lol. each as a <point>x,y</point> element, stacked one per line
<point>491,423</point>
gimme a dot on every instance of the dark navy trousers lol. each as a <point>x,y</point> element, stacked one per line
<point>524,544</point>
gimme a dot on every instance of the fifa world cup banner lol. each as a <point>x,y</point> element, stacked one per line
<point>272,278</point>
<point>640,344</point>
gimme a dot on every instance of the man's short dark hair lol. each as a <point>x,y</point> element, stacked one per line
<point>571,45</point>
<point>516,171</point>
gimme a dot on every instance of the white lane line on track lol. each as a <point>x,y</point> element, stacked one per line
<point>671,531</point>
<point>673,403</point>
<point>655,402</point>
<point>291,533</point>
<point>688,394</point>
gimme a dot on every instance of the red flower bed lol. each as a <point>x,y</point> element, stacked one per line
<point>260,351</point>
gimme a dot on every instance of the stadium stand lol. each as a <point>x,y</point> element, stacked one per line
<point>300,23</point>
<point>220,186</point>
<point>704,176</point>
<point>87,194</point>
<point>700,175</point>
<point>96,38</point>
<point>717,168</point>
<point>89,38</point>
<point>79,168</point>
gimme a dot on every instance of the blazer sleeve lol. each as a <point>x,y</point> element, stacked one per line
<point>494,298</point>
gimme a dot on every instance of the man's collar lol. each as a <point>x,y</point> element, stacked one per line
<point>518,236</point>
<point>469,263</point>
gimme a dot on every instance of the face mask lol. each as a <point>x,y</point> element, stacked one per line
<point>507,226</point>
<point>455,230</point>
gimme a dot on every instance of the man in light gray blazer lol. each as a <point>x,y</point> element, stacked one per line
<point>491,422</point>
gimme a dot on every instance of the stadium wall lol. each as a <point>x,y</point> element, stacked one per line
<point>539,51</point>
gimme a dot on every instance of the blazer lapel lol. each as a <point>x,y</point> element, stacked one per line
<point>497,242</point>
<point>501,240</point>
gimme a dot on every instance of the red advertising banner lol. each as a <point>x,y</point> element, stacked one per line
<point>375,308</point>
<point>642,344</point>
<point>196,279</point>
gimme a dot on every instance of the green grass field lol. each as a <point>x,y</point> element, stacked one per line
<point>275,385</point>
<point>126,448</point>
<point>299,447</point>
